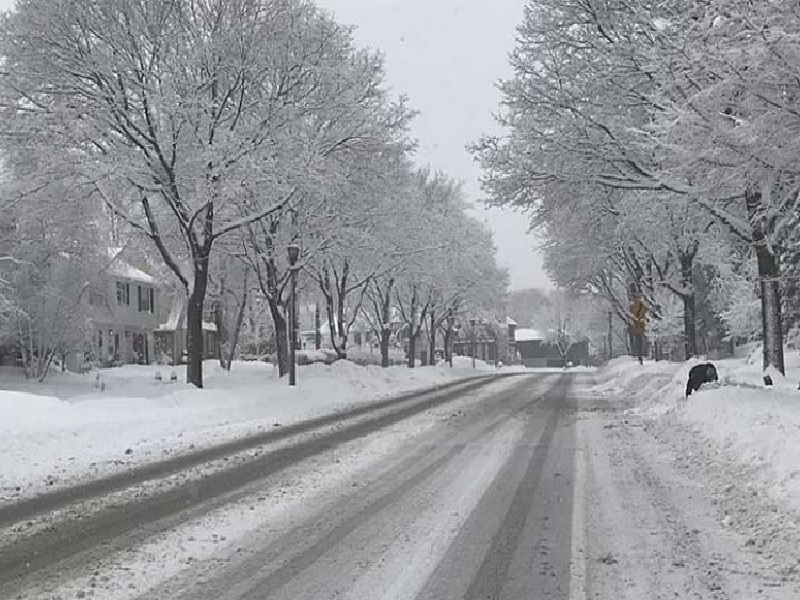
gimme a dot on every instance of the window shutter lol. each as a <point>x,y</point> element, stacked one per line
<point>152,301</point>
<point>140,297</point>
<point>128,294</point>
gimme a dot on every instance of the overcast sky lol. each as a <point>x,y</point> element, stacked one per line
<point>446,56</point>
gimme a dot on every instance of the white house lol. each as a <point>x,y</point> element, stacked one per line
<point>122,316</point>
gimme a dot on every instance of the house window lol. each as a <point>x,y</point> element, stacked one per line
<point>123,293</point>
<point>146,299</point>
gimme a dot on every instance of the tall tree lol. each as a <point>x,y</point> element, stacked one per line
<point>190,119</point>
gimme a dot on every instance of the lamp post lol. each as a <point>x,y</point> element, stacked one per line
<point>448,347</point>
<point>472,327</point>
<point>293,251</point>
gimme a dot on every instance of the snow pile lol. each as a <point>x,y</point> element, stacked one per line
<point>647,386</point>
<point>307,357</point>
<point>70,428</point>
<point>22,412</point>
<point>740,418</point>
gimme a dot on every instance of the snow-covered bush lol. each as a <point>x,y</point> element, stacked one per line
<point>363,357</point>
<point>310,357</point>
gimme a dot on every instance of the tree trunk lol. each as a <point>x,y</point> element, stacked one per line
<point>432,341</point>
<point>281,336</point>
<point>689,328</point>
<point>382,303</point>
<point>448,344</point>
<point>385,336</point>
<point>26,349</point>
<point>342,326</point>
<point>335,314</point>
<point>333,329</point>
<point>194,324</point>
<point>768,274</point>
<point>238,327</point>
<point>771,312</point>
<point>317,327</point>
<point>220,333</point>
<point>412,334</point>
<point>46,367</point>
<point>342,329</point>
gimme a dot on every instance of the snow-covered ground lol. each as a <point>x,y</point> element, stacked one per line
<point>277,505</point>
<point>739,420</point>
<point>74,427</point>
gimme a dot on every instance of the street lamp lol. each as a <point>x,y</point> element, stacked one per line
<point>472,327</point>
<point>293,251</point>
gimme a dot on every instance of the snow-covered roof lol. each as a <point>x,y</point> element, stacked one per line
<point>123,269</point>
<point>527,335</point>
<point>120,268</point>
<point>172,326</point>
<point>177,317</point>
<point>172,321</point>
<point>510,321</point>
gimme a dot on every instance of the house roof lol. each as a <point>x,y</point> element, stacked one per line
<point>528,335</point>
<point>120,268</point>
<point>172,326</point>
<point>510,321</point>
<point>177,317</point>
<point>123,269</point>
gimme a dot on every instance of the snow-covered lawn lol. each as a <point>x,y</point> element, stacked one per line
<point>755,425</point>
<point>68,428</point>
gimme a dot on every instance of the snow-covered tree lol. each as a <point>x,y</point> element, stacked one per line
<point>650,130</point>
<point>52,268</point>
<point>192,119</point>
<point>357,238</point>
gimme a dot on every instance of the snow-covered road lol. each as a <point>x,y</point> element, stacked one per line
<point>527,487</point>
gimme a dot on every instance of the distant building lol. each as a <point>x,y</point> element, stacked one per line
<point>487,339</point>
<point>536,352</point>
<point>360,335</point>
<point>170,337</point>
<point>510,353</point>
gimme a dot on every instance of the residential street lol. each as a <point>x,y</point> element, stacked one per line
<point>371,300</point>
<point>519,487</point>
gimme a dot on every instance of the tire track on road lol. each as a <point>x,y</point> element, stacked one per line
<point>131,523</point>
<point>488,582</point>
<point>284,560</point>
<point>51,501</point>
<point>485,553</point>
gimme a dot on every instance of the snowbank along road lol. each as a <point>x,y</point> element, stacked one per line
<point>502,488</point>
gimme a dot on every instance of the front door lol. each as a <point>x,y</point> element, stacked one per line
<point>138,348</point>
